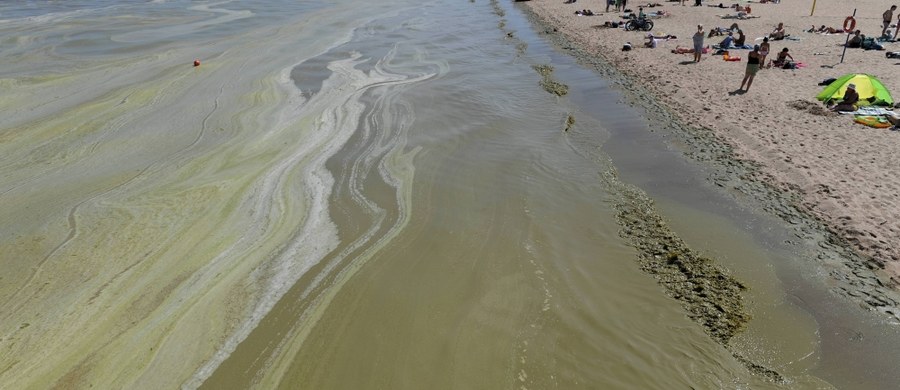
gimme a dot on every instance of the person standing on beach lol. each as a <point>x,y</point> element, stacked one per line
<point>698,43</point>
<point>763,49</point>
<point>897,31</point>
<point>753,61</point>
<point>887,17</point>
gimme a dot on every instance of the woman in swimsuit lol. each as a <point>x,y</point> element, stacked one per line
<point>763,50</point>
<point>753,62</point>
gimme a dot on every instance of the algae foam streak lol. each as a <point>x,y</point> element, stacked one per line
<point>344,194</point>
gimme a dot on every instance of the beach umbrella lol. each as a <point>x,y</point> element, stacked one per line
<point>871,91</point>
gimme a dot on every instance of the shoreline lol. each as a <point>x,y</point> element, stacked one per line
<point>857,275</point>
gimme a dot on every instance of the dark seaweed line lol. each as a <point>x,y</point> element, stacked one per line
<point>856,274</point>
<point>711,296</point>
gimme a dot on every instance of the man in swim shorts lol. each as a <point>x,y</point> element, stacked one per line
<point>886,18</point>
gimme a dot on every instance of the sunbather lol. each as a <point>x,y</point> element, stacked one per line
<point>778,33</point>
<point>726,43</point>
<point>741,39</point>
<point>825,30</point>
<point>781,58</point>
<point>856,40</point>
<point>848,103</point>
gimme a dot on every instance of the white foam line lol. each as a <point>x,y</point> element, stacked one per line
<point>318,236</point>
<point>168,32</point>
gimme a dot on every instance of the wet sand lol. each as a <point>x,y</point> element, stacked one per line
<point>751,158</point>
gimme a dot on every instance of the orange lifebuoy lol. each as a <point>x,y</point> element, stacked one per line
<point>852,21</point>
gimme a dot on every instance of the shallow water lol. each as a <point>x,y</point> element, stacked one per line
<point>355,195</point>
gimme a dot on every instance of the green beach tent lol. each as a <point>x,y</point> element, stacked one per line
<point>867,86</point>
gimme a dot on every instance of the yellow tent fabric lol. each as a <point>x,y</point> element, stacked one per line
<point>869,88</point>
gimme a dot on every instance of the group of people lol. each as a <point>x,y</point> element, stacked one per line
<point>755,59</point>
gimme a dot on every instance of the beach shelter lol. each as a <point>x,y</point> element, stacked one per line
<point>867,86</point>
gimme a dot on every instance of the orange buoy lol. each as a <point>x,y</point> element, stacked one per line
<point>196,62</point>
<point>849,24</point>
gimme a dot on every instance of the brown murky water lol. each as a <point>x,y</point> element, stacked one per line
<point>353,195</point>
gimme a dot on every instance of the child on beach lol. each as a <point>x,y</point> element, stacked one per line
<point>763,50</point>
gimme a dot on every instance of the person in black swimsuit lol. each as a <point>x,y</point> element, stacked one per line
<point>752,68</point>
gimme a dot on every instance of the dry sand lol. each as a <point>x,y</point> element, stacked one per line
<point>845,173</point>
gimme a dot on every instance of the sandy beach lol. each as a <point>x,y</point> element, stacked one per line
<point>843,172</point>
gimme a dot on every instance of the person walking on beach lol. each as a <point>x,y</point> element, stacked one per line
<point>698,43</point>
<point>887,17</point>
<point>753,60</point>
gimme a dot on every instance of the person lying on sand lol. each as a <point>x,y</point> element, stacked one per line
<point>739,15</point>
<point>585,12</point>
<point>825,30</point>
<point>664,37</point>
<point>653,40</point>
<point>688,50</point>
<point>608,24</point>
<point>659,14</point>
<point>739,8</point>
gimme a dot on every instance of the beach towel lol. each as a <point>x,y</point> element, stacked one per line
<point>872,111</point>
<point>733,47</point>
<point>878,122</point>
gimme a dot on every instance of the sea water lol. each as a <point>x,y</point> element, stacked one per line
<point>344,194</point>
